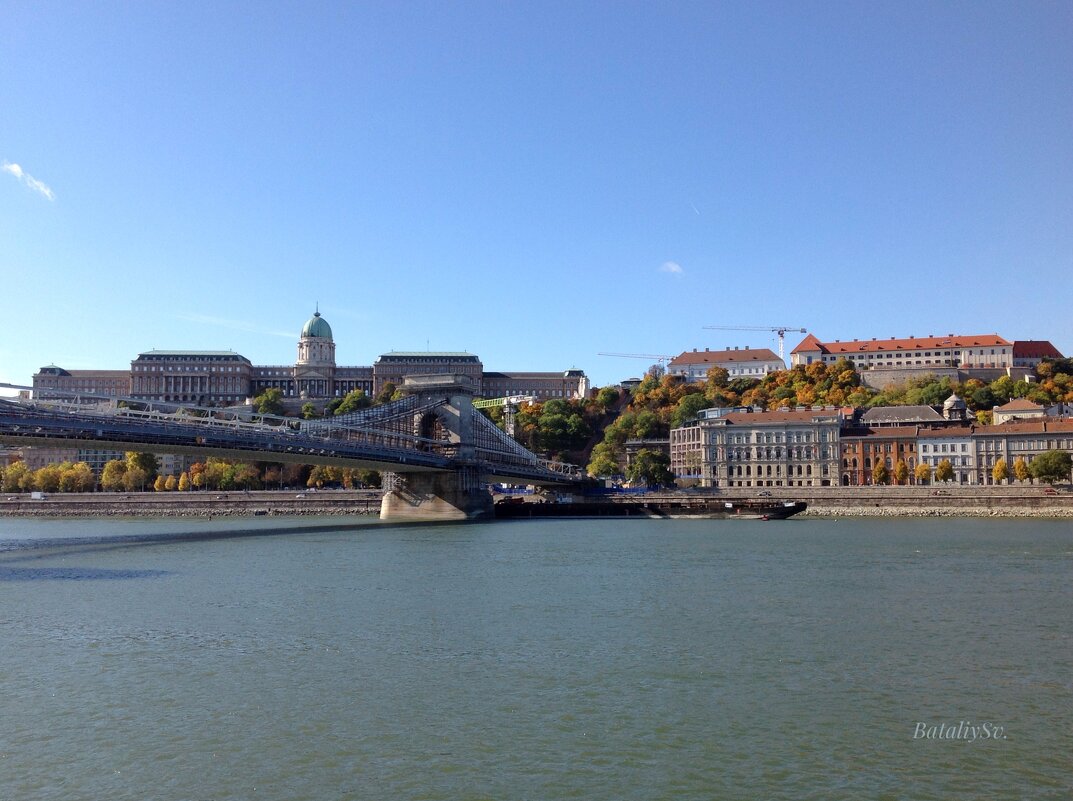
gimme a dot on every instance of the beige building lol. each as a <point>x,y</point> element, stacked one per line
<point>738,448</point>
<point>919,354</point>
<point>570,384</point>
<point>1017,440</point>
<point>738,362</point>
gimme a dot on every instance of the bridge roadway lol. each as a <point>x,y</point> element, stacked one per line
<point>58,425</point>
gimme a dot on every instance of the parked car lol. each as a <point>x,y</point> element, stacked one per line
<point>1050,491</point>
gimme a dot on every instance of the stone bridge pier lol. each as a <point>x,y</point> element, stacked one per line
<point>444,496</point>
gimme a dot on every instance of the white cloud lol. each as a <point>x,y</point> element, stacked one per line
<point>25,178</point>
<point>237,325</point>
<point>672,267</point>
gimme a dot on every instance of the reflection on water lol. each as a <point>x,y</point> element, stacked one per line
<point>548,659</point>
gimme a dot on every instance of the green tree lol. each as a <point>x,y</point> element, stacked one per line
<point>687,409</point>
<point>1020,469</point>
<point>650,467</point>
<point>354,401</point>
<point>1052,466</point>
<point>607,397</point>
<point>944,471</point>
<point>143,461</point>
<point>922,473</point>
<point>309,411</point>
<point>386,393</point>
<point>1000,472</point>
<point>112,475</point>
<point>270,401</point>
<point>603,462</point>
<point>370,478</point>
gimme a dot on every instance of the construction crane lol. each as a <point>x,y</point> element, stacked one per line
<point>661,358</point>
<point>776,329</point>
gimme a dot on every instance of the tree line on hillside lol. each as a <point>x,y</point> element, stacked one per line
<point>662,401</point>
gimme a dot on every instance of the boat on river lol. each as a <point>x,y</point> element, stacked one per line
<point>702,508</point>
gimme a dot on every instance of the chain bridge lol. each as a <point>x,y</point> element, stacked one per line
<point>436,450</point>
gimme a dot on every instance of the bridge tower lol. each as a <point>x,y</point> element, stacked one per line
<point>448,495</point>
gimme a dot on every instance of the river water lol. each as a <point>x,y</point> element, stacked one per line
<point>346,659</point>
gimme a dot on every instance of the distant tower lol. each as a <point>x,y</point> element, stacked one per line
<point>316,346</point>
<point>955,408</point>
<point>314,372</point>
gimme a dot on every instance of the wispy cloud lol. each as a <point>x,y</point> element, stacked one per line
<point>24,177</point>
<point>672,267</point>
<point>236,325</point>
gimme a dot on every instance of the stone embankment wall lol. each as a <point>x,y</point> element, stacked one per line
<point>193,504</point>
<point>927,501</point>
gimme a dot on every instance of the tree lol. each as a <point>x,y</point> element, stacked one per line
<point>184,482</point>
<point>944,471</point>
<point>159,484</point>
<point>143,461</point>
<point>607,397</point>
<point>171,483</point>
<point>922,472</point>
<point>880,474</point>
<point>135,478</point>
<point>1052,466</point>
<point>112,475</point>
<point>197,475</point>
<point>309,411</point>
<point>47,478</point>
<point>687,409</point>
<point>1020,469</point>
<point>246,475</point>
<point>650,467</point>
<point>603,461</point>
<point>353,401</point>
<point>16,475</point>
<point>1000,472</point>
<point>901,471</point>
<point>270,401</point>
<point>386,393</point>
<point>78,478</point>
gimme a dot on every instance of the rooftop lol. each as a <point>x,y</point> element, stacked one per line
<point>715,357</point>
<point>930,342</point>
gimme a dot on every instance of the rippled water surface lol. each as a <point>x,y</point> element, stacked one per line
<point>337,658</point>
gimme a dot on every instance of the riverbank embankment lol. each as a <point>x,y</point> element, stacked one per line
<point>1007,501</point>
<point>193,504</point>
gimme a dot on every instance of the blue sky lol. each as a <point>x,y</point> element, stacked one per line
<point>535,183</point>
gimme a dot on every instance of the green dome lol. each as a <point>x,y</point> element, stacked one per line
<point>317,326</point>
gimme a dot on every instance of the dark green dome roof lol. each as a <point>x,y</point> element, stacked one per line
<point>317,326</point>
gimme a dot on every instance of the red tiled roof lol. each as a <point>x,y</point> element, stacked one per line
<point>723,356</point>
<point>1035,349</point>
<point>810,343</point>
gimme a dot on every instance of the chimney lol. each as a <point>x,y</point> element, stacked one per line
<point>747,347</point>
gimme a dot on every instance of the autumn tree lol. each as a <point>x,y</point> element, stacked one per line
<point>184,482</point>
<point>15,475</point>
<point>944,471</point>
<point>112,475</point>
<point>922,473</point>
<point>1020,469</point>
<point>1000,472</point>
<point>135,478</point>
<point>901,472</point>
<point>159,484</point>
<point>144,461</point>
<point>880,474</point>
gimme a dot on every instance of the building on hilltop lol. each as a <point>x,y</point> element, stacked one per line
<point>1028,352</point>
<point>738,362</point>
